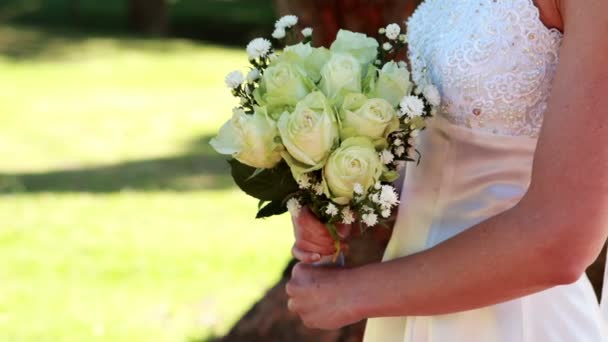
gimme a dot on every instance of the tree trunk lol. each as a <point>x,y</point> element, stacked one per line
<point>269,319</point>
<point>149,16</point>
<point>328,16</point>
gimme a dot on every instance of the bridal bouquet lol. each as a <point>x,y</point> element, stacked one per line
<point>324,128</point>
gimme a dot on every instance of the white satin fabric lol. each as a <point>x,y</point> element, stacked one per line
<point>493,62</point>
<point>466,176</point>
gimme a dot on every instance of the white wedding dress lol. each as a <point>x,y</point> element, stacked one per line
<point>493,62</point>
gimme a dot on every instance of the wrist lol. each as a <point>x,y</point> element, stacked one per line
<point>359,295</point>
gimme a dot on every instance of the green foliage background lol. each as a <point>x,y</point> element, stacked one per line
<point>117,220</point>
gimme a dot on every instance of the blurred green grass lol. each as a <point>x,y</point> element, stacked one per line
<point>117,222</point>
<point>228,21</point>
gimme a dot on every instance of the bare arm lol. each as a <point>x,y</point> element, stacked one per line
<point>548,239</point>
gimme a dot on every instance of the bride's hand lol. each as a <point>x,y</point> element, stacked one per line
<point>312,237</point>
<point>322,297</point>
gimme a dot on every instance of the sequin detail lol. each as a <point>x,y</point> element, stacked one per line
<point>492,61</point>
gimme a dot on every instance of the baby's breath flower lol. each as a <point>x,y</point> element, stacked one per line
<point>411,106</point>
<point>388,196</point>
<point>392,31</point>
<point>304,182</point>
<point>431,94</point>
<point>286,21</point>
<point>293,206</point>
<point>318,189</point>
<point>398,142</point>
<point>375,197</point>
<point>386,213</point>
<point>253,75</point>
<point>348,217</point>
<point>258,47</point>
<point>358,189</point>
<point>382,30</point>
<point>331,210</point>
<point>279,33</point>
<point>378,186</point>
<point>307,32</point>
<point>387,157</point>
<point>387,46</point>
<point>402,38</point>
<point>370,219</point>
<point>234,79</point>
<point>399,151</point>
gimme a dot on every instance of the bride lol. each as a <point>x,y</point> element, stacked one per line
<point>501,218</point>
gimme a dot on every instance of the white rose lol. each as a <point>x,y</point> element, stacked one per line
<point>282,86</point>
<point>309,134</point>
<point>372,118</point>
<point>362,47</point>
<point>341,75</point>
<point>355,162</point>
<point>393,83</point>
<point>249,139</point>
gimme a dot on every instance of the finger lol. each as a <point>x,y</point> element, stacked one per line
<point>309,223</point>
<point>344,230</point>
<point>309,247</point>
<point>303,256</point>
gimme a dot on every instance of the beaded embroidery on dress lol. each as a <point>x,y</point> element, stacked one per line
<point>494,61</point>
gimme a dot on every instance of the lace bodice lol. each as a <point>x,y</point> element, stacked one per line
<point>492,60</point>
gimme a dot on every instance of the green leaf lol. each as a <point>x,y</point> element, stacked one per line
<point>271,209</point>
<point>273,184</point>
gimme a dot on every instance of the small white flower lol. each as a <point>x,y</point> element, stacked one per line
<point>414,133</point>
<point>304,182</point>
<point>382,30</point>
<point>388,196</point>
<point>348,217</point>
<point>318,189</point>
<point>370,219</point>
<point>392,31</point>
<point>367,209</point>
<point>402,38</point>
<point>258,47</point>
<point>398,142</point>
<point>293,206</point>
<point>253,75</point>
<point>411,106</point>
<point>375,197</point>
<point>307,32</point>
<point>387,157</point>
<point>234,79</point>
<point>387,46</point>
<point>279,33</point>
<point>378,186</point>
<point>386,213</point>
<point>399,151</point>
<point>358,189</point>
<point>431,94</point>
<point>331,210</point>
<point>286,21</point>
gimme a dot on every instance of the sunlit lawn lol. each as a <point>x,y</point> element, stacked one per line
<point>117,222</point>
